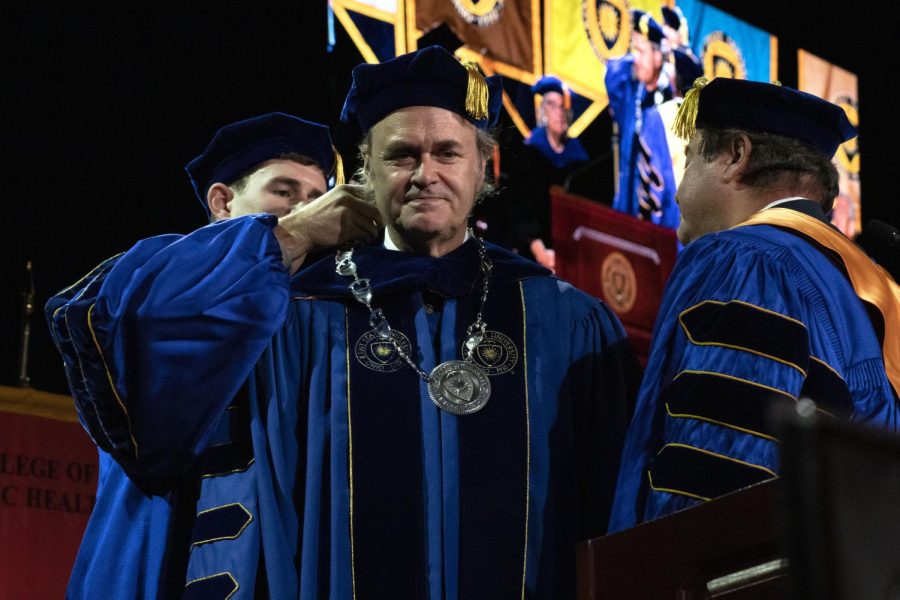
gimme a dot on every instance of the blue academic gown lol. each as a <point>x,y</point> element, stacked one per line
<point>256,440</point>
<point>750,316</point>
<point>646,179</point>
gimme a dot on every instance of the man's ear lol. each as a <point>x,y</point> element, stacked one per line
<point>737,158</point>
<point>219,198</point>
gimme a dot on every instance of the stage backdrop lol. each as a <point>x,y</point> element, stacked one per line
<point>571,39</point>
<point>48,478</point>
<point>818,76</point>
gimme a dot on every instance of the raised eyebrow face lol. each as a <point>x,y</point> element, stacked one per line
<point>397,148</point>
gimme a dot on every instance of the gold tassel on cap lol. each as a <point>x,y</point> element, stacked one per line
<point>685,125</point>
<point>338,167</point>
<point>476,93</point>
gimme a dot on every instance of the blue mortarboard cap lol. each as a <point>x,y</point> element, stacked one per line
<point>672,16</point>
<point>548,83</point>
<point>428,77</point>
<point>646,25</point>
<point>687,67</point>
<point>238,147</point>
<point>754,106</point>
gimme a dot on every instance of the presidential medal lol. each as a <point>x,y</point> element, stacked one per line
<point>459,387</point>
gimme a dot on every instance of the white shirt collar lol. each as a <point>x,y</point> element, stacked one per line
<point>782,201</point>
<point>388,242</point>
<point>390,245</point>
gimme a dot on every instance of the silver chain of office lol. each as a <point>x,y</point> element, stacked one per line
<point>457,386</point>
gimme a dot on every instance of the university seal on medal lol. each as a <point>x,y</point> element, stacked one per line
<point>722,57</point>
<point>379,354</point>
<point>608,27</point>
<point>480,13</point>
<point>496,354</point>
<point>619,282</point>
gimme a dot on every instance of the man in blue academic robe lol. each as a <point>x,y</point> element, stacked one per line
<point>422,418</point>
<point>637,84</point>
<point>766,304</point>
<point>139,535</point>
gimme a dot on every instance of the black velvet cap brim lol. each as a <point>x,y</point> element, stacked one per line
<point>754,106</point>
<point>428,77</point>
<point>238,147</point>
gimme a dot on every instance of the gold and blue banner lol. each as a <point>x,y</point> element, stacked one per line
<point>728,46</point>
<point>377,27</point>
<point>579,37</point>
<point>571,39</point>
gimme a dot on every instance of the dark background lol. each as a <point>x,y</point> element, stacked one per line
<point>103,106</point>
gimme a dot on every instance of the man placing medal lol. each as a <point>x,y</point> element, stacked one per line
<point>427,416</point>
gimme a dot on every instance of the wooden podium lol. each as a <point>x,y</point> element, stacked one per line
<point>727,548</point>
<point>615,257</point>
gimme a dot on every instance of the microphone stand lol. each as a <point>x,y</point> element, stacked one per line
<point>27,310</point>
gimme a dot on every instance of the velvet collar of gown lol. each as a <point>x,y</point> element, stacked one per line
<point>455,274</point>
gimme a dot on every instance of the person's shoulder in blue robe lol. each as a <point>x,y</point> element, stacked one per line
<point>750,316</point>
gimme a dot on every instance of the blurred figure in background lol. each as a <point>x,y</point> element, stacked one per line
<point>637,84</point>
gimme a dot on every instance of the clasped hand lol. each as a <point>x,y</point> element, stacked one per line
<point>344,214</point>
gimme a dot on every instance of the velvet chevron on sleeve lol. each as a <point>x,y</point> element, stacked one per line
<point>750,316</point>
<point>138,332</point>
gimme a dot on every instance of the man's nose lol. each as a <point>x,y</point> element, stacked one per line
<point>425,172</point>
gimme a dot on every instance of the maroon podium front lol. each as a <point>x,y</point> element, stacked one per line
<point>611,255</point>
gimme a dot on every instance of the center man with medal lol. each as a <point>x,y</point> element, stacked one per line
<point>485,450</point>
<point>429,417</point>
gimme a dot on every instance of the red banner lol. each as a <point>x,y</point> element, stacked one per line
<point>48,479</point>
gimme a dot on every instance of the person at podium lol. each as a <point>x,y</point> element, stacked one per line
<point>518,215</point>
<point>767,303</point>
<point>558,155</point>
<point>551,136</point>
